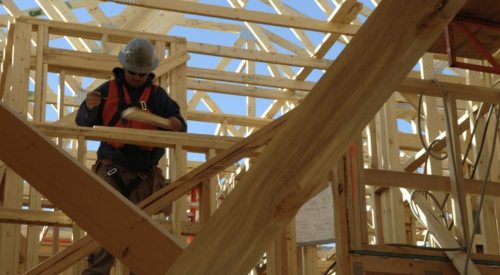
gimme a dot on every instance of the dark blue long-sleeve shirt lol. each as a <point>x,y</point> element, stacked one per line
<point>130,156</point>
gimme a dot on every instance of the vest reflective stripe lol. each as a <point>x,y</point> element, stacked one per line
<point>111,108</point>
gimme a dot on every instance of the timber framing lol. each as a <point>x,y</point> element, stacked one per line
<point>284,114</point>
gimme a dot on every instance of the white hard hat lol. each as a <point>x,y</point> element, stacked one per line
<point>138,56</point>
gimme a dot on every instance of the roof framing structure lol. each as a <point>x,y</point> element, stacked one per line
<point>284,101</point>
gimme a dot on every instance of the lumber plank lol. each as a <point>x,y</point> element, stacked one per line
<point>275,58</point>
<point>244,15</point>
<point>10,234</point>
<point>230,119</point>
<point>426,182</point>
<point>95,32</point>
<point>253,91</point>
<point>250,78</point>
<point>461,225</point>
<point>34,217</point>
<point>137,114</point>
<point>190,142</point>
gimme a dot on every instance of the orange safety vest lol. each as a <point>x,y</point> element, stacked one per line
<point>111,107</point>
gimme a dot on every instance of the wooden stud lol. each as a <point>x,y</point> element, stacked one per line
<point>339,186</point>
<point>7,63</point>
<point>10,234</point>
<point>310,260</point>
<point>460,218</point>
<point>40,77</point>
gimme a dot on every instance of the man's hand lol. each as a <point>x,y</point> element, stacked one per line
<point>93,99</point>
<point>176,123</point>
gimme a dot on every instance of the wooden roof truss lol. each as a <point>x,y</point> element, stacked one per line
<point>258,170</point>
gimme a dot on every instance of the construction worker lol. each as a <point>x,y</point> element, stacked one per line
<point>130,169</point>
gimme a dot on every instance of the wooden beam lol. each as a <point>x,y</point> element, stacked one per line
<point>95,32</point>
<point>10,234</point>
<point>261,56</point>
<point>461,91</point>
<point>222,88</point>
<point>131,236</point>
<point>190,142</point>
<point>385,178</point>
<point>230,119</point>
<point>244,15</point>
<point>460,218</point>
<point>35,217</point>
<point>375,263</point>
<point>254,79</point>
<point>286,174</point>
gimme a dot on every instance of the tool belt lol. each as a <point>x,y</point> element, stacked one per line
<point>125,189</point>
<point>126,181</point>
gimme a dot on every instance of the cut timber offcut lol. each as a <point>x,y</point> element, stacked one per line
<point>137,114</point>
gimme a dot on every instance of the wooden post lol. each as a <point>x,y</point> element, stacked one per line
<point>310,260</point>
<point>78,232</point>
<point>177,87</point>
<point>20,59</point>
<point>339,186</point>
<point>104,43</point>
<point>5,77</point>
<point>208,203</point>
<point>460,217</point>
<point>40,74</point>
<point>250,70</point>
<point>376,205</point>
<point>33,234</point>
<point>393,225</point>
<point>180,206</point>
<point>430,111</point>
<point>10,234</point>
<point>16,94</point>
<point>359,196</point>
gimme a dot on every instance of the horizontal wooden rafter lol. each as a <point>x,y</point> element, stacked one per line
<point>244,15</point>
<point>387,178</point>
<point>190,142</point>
